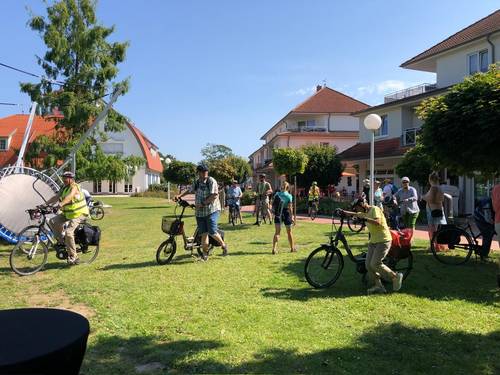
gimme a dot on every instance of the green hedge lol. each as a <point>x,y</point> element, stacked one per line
<point>152,194</point>
<point>326,206</point>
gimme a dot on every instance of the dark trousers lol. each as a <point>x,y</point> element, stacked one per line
<point>487,232</point>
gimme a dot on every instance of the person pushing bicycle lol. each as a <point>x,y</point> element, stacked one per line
<point>74,211</point>
<point>378,246</point>
<point>313,196</point>
<point>234,194</point>
<point>264,191</point>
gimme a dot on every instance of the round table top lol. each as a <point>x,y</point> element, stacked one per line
<point>30,333</point>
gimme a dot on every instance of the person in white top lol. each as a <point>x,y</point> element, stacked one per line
<point>88,197</point>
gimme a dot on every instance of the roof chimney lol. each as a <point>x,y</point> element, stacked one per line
<point>318,87</point>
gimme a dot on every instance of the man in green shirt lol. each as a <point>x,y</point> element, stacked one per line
<point>264,191</point>
<point>378,246</point>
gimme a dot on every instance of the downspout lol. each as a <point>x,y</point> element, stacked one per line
<point>492,47</point>
<point>329,122</point>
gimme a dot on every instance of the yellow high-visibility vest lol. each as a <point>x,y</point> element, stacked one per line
<point>77,207</point>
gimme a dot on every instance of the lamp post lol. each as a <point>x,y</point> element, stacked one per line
<point>372,122</point>
<point>167,163</point>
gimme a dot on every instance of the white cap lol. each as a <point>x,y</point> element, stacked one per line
<point>405,179</point>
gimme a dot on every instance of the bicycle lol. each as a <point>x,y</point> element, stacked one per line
<point>356,224</point>
<point>96,210</point>
<point>461,242</point>
<point>313,208</point>
<point>174,228</point>
<point>262,210</point>
<point>325,264</point>
<point>31,251</point>
<point>234,213</point>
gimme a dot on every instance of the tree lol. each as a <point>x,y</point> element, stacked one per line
<point>242,168</point>
<point>324,166</point>
<point>81,59</point>
<point>180,172</point>
<point>222,170</point>
<point>460,129</point>
<point>212,152</point>
<point>416,164</point>
<point>289,161</point>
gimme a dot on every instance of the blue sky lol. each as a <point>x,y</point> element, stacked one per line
<point>226,71</point>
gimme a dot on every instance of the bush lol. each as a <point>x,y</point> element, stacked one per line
<point>151,194</point>
<point>164,187</point>
<point>326,206</point>
<point>248,198</point>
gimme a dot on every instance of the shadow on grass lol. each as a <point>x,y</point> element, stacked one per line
<point>393,348</point>
<point>56,265</point>
<point>474,281</point>
<point>147,207</point>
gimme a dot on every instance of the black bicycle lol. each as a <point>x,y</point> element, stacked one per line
<point>234,212</point>
<point>454,244</point>
<point>325,264</point>
<point>96,210</point>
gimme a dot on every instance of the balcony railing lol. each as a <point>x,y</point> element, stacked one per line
<point>410,91</point>
<point>306,129</point>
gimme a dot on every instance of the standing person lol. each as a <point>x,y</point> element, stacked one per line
<point>234,194</point>
<point>207,208</point>
<point>264,191</point>
<point>485,222</point>
<point>378,247</point>
<point>407,198</point>
<point>366,188</point>
<point>88,197</point>
<point>434,199</point>
<point>283,213</point>
<point>378,195</point>
<point>74,211</point>
<point>495,200</point>
<point>388,188</point>
<point>313,196</point>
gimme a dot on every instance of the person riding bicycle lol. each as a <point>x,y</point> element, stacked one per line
<point>313,196</point>
<point>74,211</point>
<point>378,246</point>
<point>234,194</point>
<point>88,197</point>
<point>264,191</point>
<point>208,208</point>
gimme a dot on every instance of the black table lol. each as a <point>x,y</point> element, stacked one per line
<point>42,341</point>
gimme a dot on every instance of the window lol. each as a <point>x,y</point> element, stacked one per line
<point>384,127</point>
<point>128,186</point>
<point>97,186</point>
<point>301,124</point>
<point>410,136</point>
<point>349,181</point>
<point>3,144</point>
<point>112,148</point>
<point>112,187</point>
<point>311,123</point>
<point>478,62</point>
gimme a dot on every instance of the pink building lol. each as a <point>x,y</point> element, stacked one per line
<point>325,119</point>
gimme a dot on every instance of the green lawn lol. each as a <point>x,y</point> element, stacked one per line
<point>253,312</point>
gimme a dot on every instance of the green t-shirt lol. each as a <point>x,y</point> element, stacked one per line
<point>378,233</point>
<point>286,198</point>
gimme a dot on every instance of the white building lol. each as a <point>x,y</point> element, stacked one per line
<point>468,51</point>
<point>130,141</point>
<point>325,119</point>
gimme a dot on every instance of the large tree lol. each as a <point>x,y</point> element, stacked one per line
<point>180,172</point>
<point>416,164</point>
<point>212,152</point>
<point>324,166</point>
<point>289,161</point>
<point>461,128</point>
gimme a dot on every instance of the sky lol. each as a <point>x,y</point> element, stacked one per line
<point>225,71</point>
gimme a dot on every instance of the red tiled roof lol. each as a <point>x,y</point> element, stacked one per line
<point>327,100</point>
<point>15,125</point>
<point>383,149</point>
<point>152,162</point>
<point>477,30</point>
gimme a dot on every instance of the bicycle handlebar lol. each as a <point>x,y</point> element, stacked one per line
<point>181,202</point>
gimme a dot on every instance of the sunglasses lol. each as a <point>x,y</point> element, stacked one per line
<point>406,182</point>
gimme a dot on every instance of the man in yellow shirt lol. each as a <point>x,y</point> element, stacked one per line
<point>378,246</point>
<point>313,196</point>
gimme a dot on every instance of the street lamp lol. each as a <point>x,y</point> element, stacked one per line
<point>167,163</point>
<point>372,122</point>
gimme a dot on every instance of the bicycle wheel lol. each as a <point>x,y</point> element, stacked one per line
<point>314,212</point>
<point>452,245</point>
<point>96,213</point>
<point>30,253</point>
<point>231,215</point>
<point>323,267</point>
<point>166,251</point>
<point>87,254</point>
<point>355,225</point>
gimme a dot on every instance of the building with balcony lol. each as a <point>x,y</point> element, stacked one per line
<point>325,118</point>
<point>466,52</point>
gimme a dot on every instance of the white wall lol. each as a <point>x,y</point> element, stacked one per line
<point>452,67</point>
<point>394,118</point>
<point>130,144</point>
<point>343,123</point>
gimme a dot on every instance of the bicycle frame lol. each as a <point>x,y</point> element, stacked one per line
<point>339,236</point>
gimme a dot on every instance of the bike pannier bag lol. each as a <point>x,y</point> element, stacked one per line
<point>448,234</point>
<point>87,234</point>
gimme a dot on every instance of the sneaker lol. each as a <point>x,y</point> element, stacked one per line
<point>224,250</point>
<point>204,257</point>
<point>397,282</point>
<point>73,262</point>
<point>256,223</point>
<point>376,290</point>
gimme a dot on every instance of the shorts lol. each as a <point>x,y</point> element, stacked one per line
<point>285,218</point>
<point>263,203</point>
<point>310,203</point>
<point>434,220</point>
<point>208,224</point>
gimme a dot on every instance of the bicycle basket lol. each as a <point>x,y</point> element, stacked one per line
<point>171,226</point>
<point>448,234</point>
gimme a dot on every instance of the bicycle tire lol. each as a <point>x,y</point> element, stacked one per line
<point>87,255</point>
<point>459,248</point>
<point>26,237</point>
<point>323,267</point>
<point>356,225</point>
<point>166,251</point>
<point>96,213</point>
<point>404,266</point>
<point>231,215</point>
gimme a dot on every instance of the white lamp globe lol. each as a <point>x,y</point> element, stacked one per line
<point>372,121</point>
<point>168,161</point>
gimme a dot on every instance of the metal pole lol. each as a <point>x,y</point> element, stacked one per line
<point>27,134</point>
<point>168,190</point>
<point>372,167</point>
<point>295,199</point>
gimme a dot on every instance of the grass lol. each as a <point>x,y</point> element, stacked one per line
<point>252,312</point>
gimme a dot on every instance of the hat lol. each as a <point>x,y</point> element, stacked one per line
<point>366,181</point>
<point>405,179</point>
<point>377,181</point>
<point>202,167</point>
<point>314,183</point>
<point>387,180</point>
<point>262,175</point>
<point>68,174</point>
<point>234,181</point>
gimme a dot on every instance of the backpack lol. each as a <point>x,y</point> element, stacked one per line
<point>278,205</point>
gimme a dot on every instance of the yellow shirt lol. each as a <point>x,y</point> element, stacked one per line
<point>378,233</point>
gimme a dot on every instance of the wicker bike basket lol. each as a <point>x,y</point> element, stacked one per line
<point>171,226</point>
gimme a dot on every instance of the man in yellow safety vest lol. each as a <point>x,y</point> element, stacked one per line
<point>74,211</point>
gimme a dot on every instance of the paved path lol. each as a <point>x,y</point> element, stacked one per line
<point>420,232</point>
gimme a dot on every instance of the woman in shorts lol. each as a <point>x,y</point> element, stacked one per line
<point>283,213</point>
